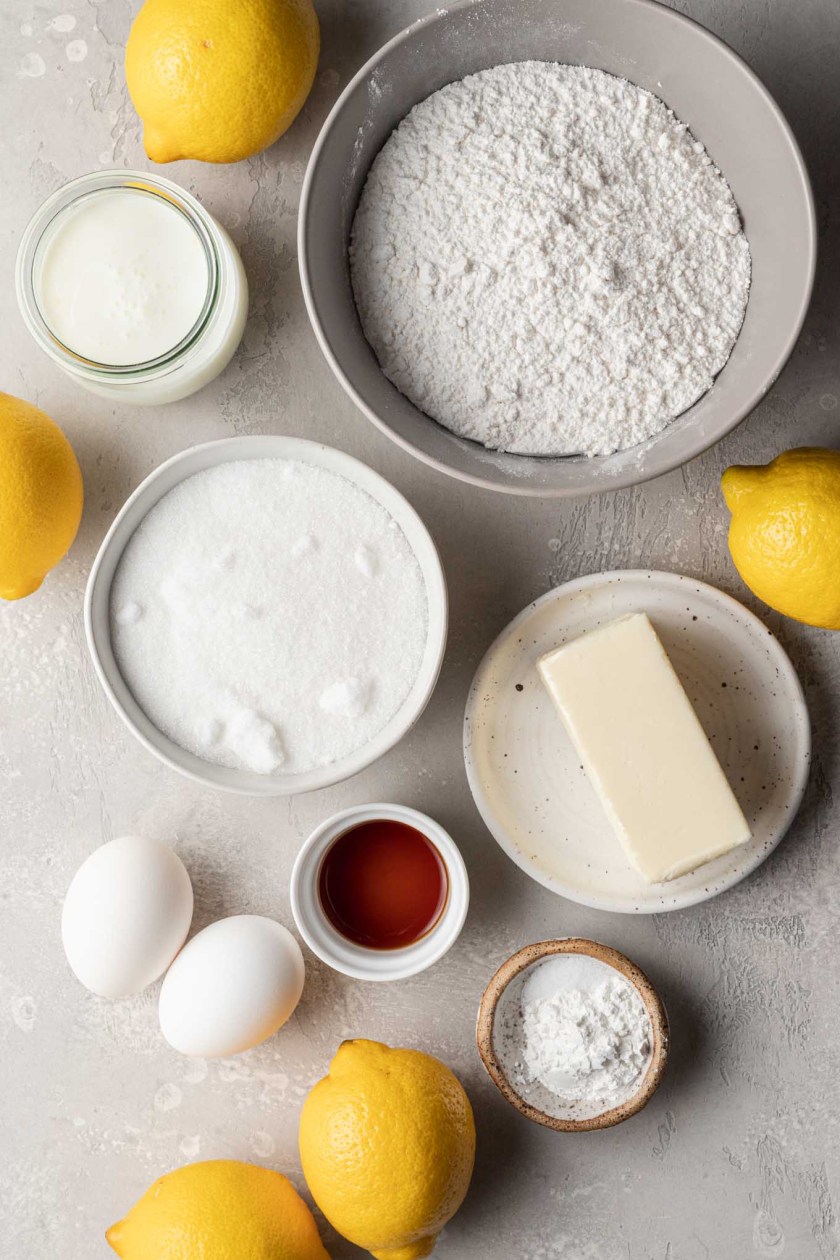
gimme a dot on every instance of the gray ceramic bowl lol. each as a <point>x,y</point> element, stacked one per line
<point>706,85</point>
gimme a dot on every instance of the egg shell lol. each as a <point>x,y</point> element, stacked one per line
<point>126,914</point>
<point>231,987</point>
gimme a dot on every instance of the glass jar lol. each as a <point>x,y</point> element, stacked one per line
<point>199,355</point>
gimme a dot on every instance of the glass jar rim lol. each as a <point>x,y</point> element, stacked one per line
<point>61,201</point>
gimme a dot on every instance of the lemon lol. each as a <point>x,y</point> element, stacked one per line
<point>40,496</point>
<point>219,80</point>
<point>785,532</point>
<point>387,1142</point>
<point>219,1210</point>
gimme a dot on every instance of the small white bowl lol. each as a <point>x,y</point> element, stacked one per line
<point>151,491</point>
<point>355,960</point>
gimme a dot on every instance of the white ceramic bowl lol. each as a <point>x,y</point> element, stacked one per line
<point>148,493</point>
<point>354,960</point>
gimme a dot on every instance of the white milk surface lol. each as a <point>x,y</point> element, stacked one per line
<point>123,277</point>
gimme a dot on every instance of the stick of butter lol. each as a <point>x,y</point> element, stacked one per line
<point>644,749</point>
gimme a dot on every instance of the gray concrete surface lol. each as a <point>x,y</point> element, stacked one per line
<point>737,1156</point>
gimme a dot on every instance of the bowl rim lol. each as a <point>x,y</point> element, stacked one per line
<point>209,773</point>
<point>344,955</point>
<point>527,957</point>
<point>632,475</point>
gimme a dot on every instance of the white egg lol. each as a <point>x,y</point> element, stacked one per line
<point>231,987</point>
<point>126,915</point>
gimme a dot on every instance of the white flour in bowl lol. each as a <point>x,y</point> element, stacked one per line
<point>269,615</point>
<point>545,260</point>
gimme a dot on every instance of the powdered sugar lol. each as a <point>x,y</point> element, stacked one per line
<point>246,627</point>
<point>545,260</point>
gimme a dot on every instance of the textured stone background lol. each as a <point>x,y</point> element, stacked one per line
<point>737,1156</point>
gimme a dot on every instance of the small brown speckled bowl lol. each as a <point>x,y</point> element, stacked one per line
<point>499,990</point>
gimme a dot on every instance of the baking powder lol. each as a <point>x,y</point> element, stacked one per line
<point>545,260</point>
<point>586,1034</point>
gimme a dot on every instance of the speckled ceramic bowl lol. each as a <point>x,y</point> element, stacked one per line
<point>650,44</point>
<point>503,991</point>
<point>525,773</point>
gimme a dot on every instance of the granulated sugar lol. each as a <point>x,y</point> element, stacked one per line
<point>545,260</point>
<point>269,614</point>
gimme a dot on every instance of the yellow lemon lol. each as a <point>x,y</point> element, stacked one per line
<point>387,1142</point>
<point>785,532</point>
<point>219,80</point>
<point>40,496</point>
<point>219,1210</point>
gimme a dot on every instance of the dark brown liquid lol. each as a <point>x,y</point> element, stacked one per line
<point>383,884</point>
